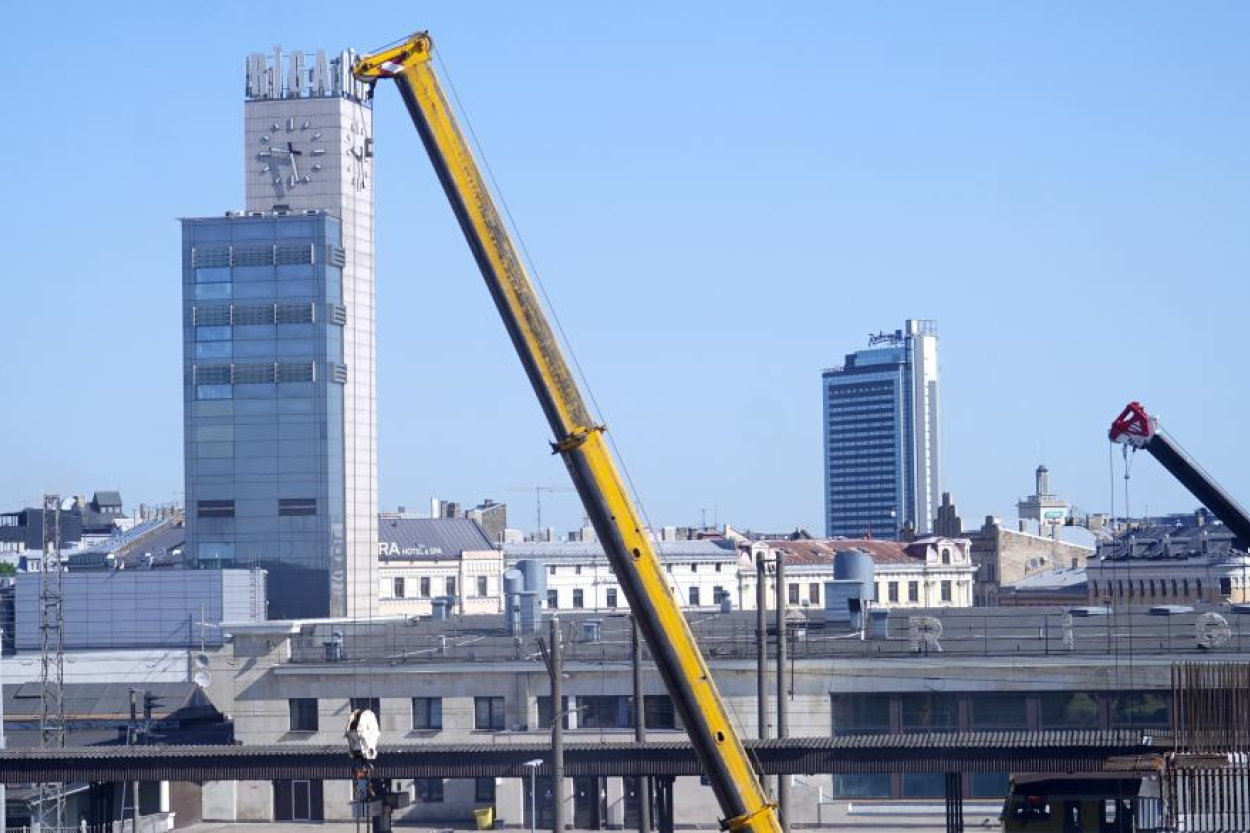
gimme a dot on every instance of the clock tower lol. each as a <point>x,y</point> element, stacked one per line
<point>308,146</point>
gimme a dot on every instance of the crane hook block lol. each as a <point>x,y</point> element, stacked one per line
<point>363,734</point>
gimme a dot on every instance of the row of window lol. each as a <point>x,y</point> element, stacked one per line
<point>694,567</point>
<point>400,585</point>
<point>240,315</point>
<point>594,712</point>
<point>255,373</point>
<point>884,713</point>
<point>1147,587</point>
<point>913,590</point>
<point>209,262</point>
<point>287,508</point>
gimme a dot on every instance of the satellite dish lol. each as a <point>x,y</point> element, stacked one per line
<point>67,504</point>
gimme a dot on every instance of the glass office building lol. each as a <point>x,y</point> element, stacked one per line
<point>881,436</point>
<point>263,320</point>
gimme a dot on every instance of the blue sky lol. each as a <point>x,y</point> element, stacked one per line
<point>722,199</point>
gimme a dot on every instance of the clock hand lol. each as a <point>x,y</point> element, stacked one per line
<point>290,148</point>
<point>294,167</point>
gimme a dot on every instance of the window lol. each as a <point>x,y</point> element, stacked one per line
<point>1226,586</point>
<point>303,714</point>
<point>1152,588</point>
<point>658,712</point>
<point>694,568</point>
<point>553,599</point>
<point>1185,586</point>
<point>1133,709</point>
<point>718,566</point>
<point>913,591</point>
<point>946,591</point>
<point>427,712</point>
<point>289,507</point>
<point>545,717</point>
<point>451,585</point>
<point>611,597</point>
<point>1093,589</point>
<point>861,786</point>
<point>1173,587</point>
<point>604,712</point>
<point>481,586</point>
<point>425,587</point>
<point>946,555</point>
<point>488,713</point>
<point>694,597</point>
<point>892,589</point>
<point>429,790</point>
<point>792,593</point>
<point>861,714</point>
<point>718,594</point>
<point>577,570</point>
<point>929,712</point>
<point>813,593</point>
<point>998,711</point>
<point>214,509</point>
<point>1068,710</point>
<point>398,589</point>
<point>551,571</point>
<point>578,598</point>
<point>988,784</point>
<point>924,785</point>
<point>484,790</point>
<point>373,704</point>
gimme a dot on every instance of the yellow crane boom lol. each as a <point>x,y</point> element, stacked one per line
<point>578,440</point>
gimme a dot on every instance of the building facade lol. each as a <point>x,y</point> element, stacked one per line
<point>1170,565</point>
<point>467,682</point>
<point>881,435</point>
<point>279,347</point>
<point>423,559</point>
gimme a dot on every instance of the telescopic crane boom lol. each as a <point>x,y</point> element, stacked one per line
<point>1136,428</point>
<point>578,440</point>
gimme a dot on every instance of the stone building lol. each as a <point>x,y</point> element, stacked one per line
<point>1005,556</point>
<point>1170,564</point>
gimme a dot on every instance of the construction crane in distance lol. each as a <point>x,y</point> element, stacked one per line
<point>579,440</point>
<point>1136,428</point>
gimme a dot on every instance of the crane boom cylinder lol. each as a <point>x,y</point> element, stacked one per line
<point>1137,428</point>
<point>579,441</point>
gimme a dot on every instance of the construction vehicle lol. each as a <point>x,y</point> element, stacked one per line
<point>579,439</point>
<point>1136,428</point>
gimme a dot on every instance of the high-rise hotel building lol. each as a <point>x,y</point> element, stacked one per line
<point>881,435</point>
<point>279,347</point>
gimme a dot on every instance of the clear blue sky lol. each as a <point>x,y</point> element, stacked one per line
<point>723,198</point>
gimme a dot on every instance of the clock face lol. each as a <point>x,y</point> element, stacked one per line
<point>292,153</point>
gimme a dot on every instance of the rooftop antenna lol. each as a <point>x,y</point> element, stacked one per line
<point>52,658</point>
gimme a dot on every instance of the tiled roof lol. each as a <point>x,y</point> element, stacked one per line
<point>822,551</point>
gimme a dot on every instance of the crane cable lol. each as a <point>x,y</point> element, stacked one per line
<point>529,261</point>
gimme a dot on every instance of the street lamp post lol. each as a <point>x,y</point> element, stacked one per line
<point>533,768</point>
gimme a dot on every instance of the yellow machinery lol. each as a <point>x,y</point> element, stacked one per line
<point>578,440</point>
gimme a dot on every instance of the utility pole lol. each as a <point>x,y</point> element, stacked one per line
<point>557,727</point>
<point>761,646</point>
<point>132,738</point>
<point>52,657</point>
<point>640,730</point>
<point>783,781</point>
